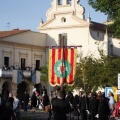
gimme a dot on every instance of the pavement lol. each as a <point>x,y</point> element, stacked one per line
<point>37,115</point>
<point>31,115</point>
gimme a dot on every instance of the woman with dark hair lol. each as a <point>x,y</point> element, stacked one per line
<point>103,109</point>
<point>6,109</point>
<point>45,100</point>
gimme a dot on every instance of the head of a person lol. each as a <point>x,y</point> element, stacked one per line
<point>84,94</point>
<point>60,95</point>
<point>80,93</point>
<point>76,97</point>
<point>43,87</point>
<point>99,93</point>
<point>110,94</point>
<point>33,86</point>
<point>10,95</point>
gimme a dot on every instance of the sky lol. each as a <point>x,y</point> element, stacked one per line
<point>26,14</point>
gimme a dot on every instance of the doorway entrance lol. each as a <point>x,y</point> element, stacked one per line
<point>6,88</point>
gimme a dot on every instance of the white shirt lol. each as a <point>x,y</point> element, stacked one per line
<point>15,103</point>
<point>111,101</point>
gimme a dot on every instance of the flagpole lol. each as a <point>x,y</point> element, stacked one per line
<point>62,60</point>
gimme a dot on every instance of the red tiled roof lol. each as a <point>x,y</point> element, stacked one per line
<point>11,32</point>
<point>99,26</point>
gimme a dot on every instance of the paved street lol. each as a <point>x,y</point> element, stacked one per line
<point>37,115</point>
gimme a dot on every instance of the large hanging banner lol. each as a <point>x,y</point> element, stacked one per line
<point>62,66</point>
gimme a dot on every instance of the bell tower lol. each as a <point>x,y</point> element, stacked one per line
<point>62,6</point>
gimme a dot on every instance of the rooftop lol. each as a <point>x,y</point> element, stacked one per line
<point>99,26</point>
<point>11,32</point>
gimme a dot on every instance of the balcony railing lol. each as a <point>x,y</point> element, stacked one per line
<point>6,73</point>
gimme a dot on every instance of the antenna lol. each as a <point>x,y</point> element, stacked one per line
<point>8,25</point>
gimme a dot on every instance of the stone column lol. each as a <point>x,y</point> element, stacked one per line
<point>64,2</point>
<point>14,89</point>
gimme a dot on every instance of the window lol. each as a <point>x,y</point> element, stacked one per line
<point>37,65</point>
<point>63,19</point>
<point>68,1</point>
<point>59,2</point>
<point>6,61</point>
<point>97,34</point>
<point>63,39</point>
<point>23,61</point>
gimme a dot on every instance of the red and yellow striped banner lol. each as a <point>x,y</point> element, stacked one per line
<point>62,66</point>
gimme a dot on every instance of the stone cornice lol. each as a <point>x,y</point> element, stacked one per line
<point>65,27</point>
<point>19,45</point>
<point>84,23</point>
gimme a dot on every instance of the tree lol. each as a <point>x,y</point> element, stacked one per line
<point>44,73</point>
<point>92,73</point>
<point>112,8</point>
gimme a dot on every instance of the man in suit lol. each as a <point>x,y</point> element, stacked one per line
<point>83,106</point>
<point>60,107</point>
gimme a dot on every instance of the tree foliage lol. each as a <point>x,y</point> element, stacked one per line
<point>44,73</point>
<point>111,8</point>
<point>92,73</point>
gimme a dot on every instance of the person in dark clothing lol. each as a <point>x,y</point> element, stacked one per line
<point>76,111</point>
<point>6,110</point>
<point>44,89</point>
<point>0,106</point>
<point>33,100</point>
<point>83,106</point>
<point>93,106</point>
<point>11,100</point>
<point>45,99</point>
<point>25,100</point>
<point>70,99</point>
<point>103,109</point>
<point>60,107</point>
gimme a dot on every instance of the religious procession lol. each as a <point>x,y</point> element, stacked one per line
<point>61,105</point>
<point>69,69</point>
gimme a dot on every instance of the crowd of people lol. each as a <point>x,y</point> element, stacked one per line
<point>61,105</point>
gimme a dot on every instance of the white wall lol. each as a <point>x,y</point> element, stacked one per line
<point>23,46</point>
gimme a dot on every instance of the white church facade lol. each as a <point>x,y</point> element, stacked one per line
<point>27,49</point>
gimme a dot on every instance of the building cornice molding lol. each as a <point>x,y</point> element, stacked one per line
<point>65,27</point>
<point>84,23</point>
<point>19,45</point>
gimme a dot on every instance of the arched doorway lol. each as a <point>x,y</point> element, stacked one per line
<point>6,88</point>
<point>21,88</point>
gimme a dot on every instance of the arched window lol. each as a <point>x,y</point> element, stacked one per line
<point>59,2</point>
<point>63,19</point>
